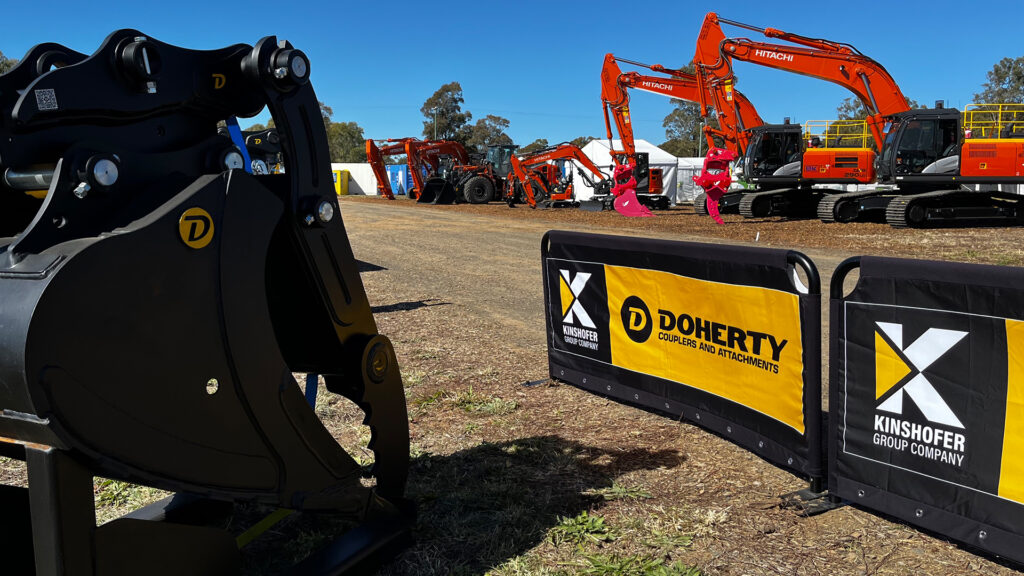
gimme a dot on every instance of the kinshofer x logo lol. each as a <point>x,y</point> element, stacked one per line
<point>902,369</point>
<point>570,294</point>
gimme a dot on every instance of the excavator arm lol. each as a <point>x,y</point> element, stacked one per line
<point>375,156</point>
<point>837,63</point>
<point>734,111</point>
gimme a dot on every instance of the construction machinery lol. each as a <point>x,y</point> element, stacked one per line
<point>477,181</point>
<point>157,300</point>
<point>736,115</point>
<point>375,156</point>
<point>425,158</point>
<point>536,179</point>
<point>649,188</point>
<point>946,179</point>
<point>785,172</point>
<point>940,178</point>
<point>422,158</point>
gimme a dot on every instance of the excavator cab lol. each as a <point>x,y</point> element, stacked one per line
<point>773,156</point>
<point>921,147</point>
<point>500,158</point>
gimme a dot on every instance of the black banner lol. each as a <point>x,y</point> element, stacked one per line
<point>927,396</point>
<point>727,337</point>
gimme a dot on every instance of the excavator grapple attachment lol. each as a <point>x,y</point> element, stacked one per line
<point>156,299</point>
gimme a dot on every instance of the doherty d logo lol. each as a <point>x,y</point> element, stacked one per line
<point>899,371</point>
<point>571,288</point>
<point>636,319</point>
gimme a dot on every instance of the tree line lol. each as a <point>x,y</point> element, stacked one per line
<point>444,118</point>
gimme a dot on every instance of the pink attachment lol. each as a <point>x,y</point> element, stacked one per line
<point>626,202</point>
<point>714,178</point>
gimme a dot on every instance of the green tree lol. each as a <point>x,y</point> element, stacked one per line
<point>346,142</point>
<point>256,128</point>
<point>683,128</point>
<point>488,131</point>
<point>443,115</point>
<point>853,109</point>
<point>6,63</point>
<point>1005,83</point>
<point>582,141</point>
<point>534,146</point>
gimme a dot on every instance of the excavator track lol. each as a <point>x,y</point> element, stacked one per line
<point>952,208</point>
<point>788,202</point>
<point>728,204</point>
<point>862,206</point>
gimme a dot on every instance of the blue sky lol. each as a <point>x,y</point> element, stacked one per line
<point>538,63</point>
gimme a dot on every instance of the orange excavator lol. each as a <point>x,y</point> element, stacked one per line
<point>649,187</point>
<point>529,181</point>
<point>942,177</point>
<point>375,156</point>
<point>735,113</point>
<point>424,160</point>
<point>783,171</point>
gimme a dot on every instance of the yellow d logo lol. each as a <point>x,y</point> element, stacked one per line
<point>196,228</point>
<point>219,80</point>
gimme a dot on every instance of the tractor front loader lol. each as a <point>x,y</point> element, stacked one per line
<point>156,299</point>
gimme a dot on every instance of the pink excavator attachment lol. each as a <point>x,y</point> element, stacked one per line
<point>626,202</point>
<point>715,179</point>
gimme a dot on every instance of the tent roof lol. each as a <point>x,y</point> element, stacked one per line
<point>656,156</point>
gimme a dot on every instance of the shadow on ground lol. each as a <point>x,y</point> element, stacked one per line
<point>409,305</point>
<point>482,506</point>
<point>369,266</point>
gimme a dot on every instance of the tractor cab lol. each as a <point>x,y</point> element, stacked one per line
<point>921,146</point>
<point>774,154</point>
<point>500,157</point>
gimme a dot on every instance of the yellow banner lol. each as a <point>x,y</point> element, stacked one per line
<point>741,343</point>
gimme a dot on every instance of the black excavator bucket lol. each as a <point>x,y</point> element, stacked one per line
<point>438,190</point>
<point>156,300</point>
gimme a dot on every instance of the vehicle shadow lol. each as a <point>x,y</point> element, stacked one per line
<point>408,305</point>
<point>482,506</point>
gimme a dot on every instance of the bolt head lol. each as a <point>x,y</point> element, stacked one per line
<point>300,67</point>
<point>325,211</point>
<point>82,190</point>
<point>280,72</point>
<point>309,220</point>
<point>105,172</point>
<point>234,160</point>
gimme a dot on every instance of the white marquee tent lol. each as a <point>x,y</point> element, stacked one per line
<point>597,151</point>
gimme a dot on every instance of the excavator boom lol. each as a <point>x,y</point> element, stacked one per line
<point>735,113</point>
<point>837,63</point>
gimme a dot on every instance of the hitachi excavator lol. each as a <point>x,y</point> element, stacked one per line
<point>777,163</point>
<point>421,157</point>
<point>375,156</point>
<point>424,160</point>
<point>734,112</point>
<point>533,186</point>
<point>157,299</point>
<point>649,188</point>
<point>923,152</point>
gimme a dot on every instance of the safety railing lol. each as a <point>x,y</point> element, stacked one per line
<point>994,120</point>
<point>837,134</point>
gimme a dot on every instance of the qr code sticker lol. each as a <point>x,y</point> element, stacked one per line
<point>46,99</point>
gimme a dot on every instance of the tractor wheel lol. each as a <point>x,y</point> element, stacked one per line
<point>479,190</point>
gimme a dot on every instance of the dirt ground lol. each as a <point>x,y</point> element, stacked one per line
<point>512,480</point>
<point>550,479</point>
